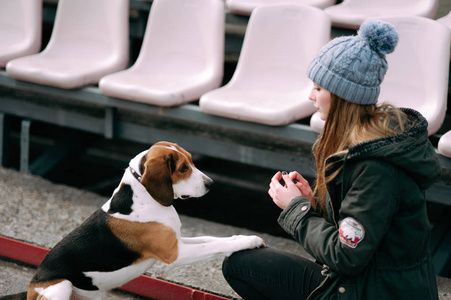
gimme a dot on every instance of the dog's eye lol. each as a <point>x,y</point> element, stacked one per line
<point>183,169</point>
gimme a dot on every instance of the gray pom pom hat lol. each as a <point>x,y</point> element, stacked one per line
<point>353,67</point>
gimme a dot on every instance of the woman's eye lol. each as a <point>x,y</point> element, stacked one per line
<point>183,169</point>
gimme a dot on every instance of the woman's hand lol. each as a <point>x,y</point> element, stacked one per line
<point>295,185</point>
<point>303,186</point>
<point>282,194</point>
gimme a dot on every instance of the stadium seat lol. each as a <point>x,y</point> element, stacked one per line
<point>89,40</point>
<point>270,83</point>
<point>417,75</point>
<point>352,13</point>
<point>245,7</point>
<point>181,58</point>
<point>444,144</point>
<point>20,28</point>
<point>316,123</point>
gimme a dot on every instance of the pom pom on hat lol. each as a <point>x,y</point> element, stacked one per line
<point>382,37</point>
<point>353,67</point>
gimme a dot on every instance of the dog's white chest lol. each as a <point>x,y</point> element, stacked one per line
<point>110,280</point>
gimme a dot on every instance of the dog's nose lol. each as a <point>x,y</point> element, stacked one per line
<point>208,182</point>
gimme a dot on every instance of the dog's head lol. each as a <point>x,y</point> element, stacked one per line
<point>167,172</point>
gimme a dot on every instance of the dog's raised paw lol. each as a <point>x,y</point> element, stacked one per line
<point>251,241</point>
<point>256,241</point>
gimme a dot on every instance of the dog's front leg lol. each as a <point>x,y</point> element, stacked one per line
<point>195,252</point>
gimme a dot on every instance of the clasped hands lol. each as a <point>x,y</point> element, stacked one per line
<point>295,185</point>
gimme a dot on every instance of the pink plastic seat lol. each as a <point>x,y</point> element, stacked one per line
<point>352,13</point>
<point>89,40</point>
<point>20,28</point>
<point>316,123</point>
<point>417,75</point>
<point>270,84</point>
<point>181,58</point>
<point>444,144</point>
<point>245,7</point>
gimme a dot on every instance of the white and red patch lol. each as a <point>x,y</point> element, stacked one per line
<point>351,232</point>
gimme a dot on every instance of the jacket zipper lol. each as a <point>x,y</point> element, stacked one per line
<point>322,283</point>
<point>333,212</point>
<point>346,153</point>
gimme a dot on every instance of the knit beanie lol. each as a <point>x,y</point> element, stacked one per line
<point>353,67</point>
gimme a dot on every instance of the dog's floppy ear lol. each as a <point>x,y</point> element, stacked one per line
<point>157,179</point>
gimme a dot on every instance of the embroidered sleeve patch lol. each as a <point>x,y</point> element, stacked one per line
<point>351,232</point>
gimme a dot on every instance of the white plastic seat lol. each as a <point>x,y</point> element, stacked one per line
<point>417,75</point>
<point>20,28</point>
<point>89,40</point>
<point>182,55</point>
<point>270,83</point>
<point>245,7</point>
<point>352,13</point>
<point>316,123</point>
<point>444,144</point>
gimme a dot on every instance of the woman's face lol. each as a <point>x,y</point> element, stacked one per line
<point>321,97</point>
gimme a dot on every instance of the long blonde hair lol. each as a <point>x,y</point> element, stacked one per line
<point>349,124</point>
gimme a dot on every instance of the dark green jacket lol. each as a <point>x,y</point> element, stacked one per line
<point>376,237</point>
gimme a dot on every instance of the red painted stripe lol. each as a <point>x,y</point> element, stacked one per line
<point>22,251</point>
<point>144,285</point>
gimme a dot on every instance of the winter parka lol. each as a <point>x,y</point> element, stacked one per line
<point>375,240</point>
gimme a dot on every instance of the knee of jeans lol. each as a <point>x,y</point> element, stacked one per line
<point>226,266</point>
<point>229,263</point>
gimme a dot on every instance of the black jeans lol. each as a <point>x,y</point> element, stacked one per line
<point>268,273</point>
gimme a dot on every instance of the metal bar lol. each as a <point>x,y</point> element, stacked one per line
<point>110,122</point>
<point>4,139</point>
<point>53,116</point>
<point>25,145</point>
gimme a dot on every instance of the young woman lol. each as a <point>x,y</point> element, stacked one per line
<point>365,222</point>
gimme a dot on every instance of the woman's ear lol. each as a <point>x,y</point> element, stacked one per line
<point>157,179</point>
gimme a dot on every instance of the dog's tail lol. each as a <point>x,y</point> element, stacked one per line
<point>19,296</point>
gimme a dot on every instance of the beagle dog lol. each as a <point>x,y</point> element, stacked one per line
<point>136,227</point>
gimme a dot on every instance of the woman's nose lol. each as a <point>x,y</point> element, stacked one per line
<point>311,96</point>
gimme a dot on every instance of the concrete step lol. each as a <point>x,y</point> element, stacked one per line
<point>42,213</point>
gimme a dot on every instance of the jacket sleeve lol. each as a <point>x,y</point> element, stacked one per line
<point>364,218</point>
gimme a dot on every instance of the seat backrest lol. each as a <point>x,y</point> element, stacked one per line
<point>90,28</point>
<point>417,75</point>
<point>279,43</point>
<point>21,22</point>
<point>184,36</point>
<point>245,7</point>
<point>425,8</point>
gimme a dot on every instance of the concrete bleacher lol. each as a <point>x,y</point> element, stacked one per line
<point>88,110</point>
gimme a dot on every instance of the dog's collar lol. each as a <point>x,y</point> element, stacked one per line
<point>135,174</point>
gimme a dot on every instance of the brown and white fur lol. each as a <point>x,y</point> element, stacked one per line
<point>136,227</point>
